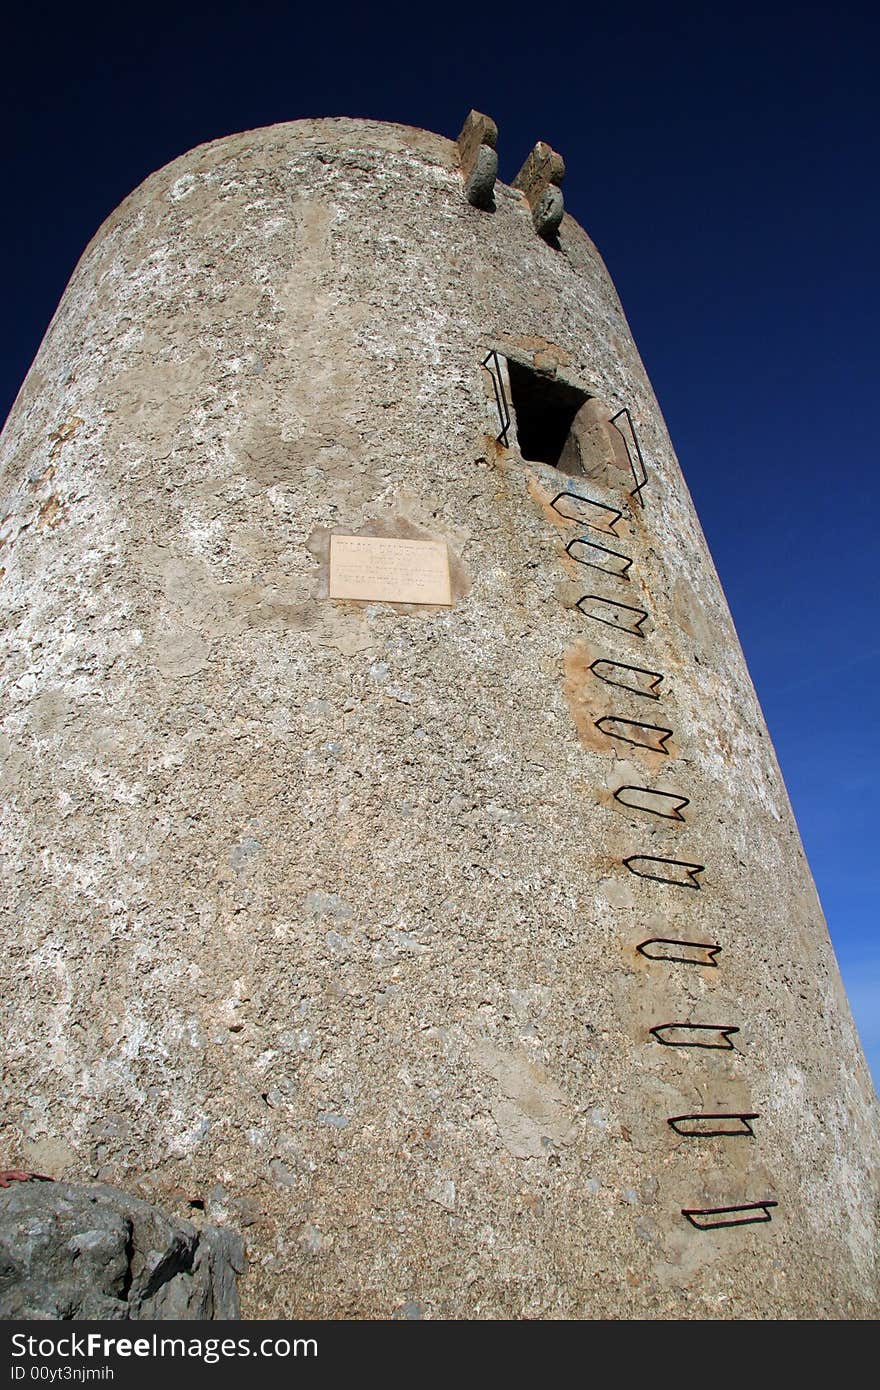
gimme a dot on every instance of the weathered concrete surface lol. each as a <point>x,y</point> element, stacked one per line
<point>318,912</point>
<point>68,1251</point>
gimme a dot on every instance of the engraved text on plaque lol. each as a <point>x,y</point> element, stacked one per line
<point>387,570</point>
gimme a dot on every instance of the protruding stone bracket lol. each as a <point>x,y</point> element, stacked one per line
<point>539,180</point>
<point>478,159</point>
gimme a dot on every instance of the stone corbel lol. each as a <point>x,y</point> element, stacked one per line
<point>539,180</point>
<point>478,159</point>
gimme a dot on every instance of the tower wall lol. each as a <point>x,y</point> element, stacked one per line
<point>317,912</point>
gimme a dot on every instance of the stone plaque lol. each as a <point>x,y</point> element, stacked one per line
<point>388,570</point>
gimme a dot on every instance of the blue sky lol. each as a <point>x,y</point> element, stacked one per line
<point>724,160</point>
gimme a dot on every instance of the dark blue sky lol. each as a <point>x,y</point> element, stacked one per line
<point>724,160</point>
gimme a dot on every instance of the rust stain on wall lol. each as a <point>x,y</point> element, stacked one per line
<point>588,702</point>
<point>61,436</point>
<point>51,513</point>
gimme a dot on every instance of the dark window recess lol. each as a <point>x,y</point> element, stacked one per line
<point>545,411</point>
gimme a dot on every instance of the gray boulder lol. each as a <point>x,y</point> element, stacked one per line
<point>68,1251</point>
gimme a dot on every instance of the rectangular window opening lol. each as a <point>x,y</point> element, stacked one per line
<point>545,411</point>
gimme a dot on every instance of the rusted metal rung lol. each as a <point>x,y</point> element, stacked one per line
<point>655,678</point>
<point>634,454</point>
<point>712,1122</point>
<point>500,395</point>
<point>745,1215</point>
<point>653,736</point>
<point>700,952</point>
<point>690,870</point>
<point>614,611</point>
<point>674,802</point>
<point>574,498</point>
<point>595,561</point>
<point>714,1036</point>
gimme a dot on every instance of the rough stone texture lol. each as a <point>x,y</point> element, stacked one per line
<point>93,1252</point>
<point>325,904</point>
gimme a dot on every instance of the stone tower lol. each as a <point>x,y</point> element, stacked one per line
<point>396,865</point>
